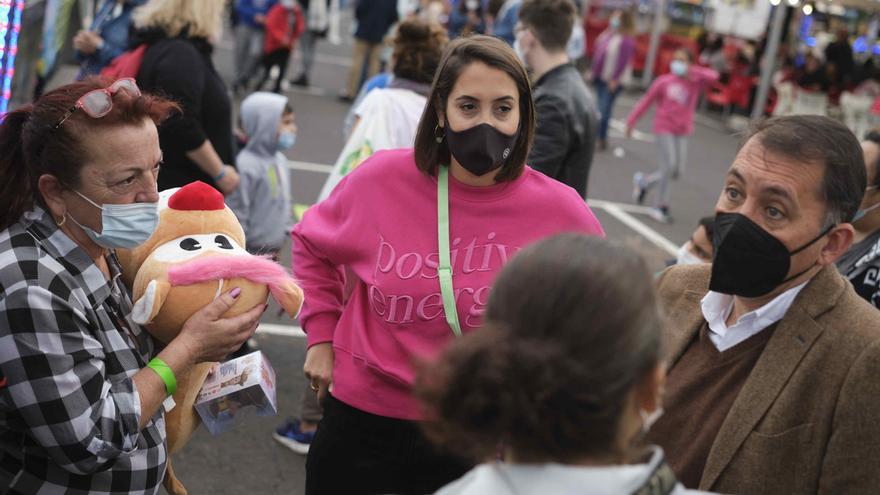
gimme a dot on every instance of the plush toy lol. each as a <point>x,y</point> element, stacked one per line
<point>195,255</point>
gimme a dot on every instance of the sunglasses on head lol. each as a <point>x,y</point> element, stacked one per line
<point>98,103</point>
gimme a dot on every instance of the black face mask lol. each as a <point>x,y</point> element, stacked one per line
<point>747,260</point>
<point>480,149</point>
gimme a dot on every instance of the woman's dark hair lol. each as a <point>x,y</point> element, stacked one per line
<point>31,145</point>
<point>571,327</point>
<point>460,53</point>
<point>418,46</point>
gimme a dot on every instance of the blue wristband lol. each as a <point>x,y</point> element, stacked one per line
<point>221,174</point>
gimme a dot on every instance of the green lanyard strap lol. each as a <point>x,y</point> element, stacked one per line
<point>444,269</point>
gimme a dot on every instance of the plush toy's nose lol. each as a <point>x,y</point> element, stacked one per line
<point>196,196</point>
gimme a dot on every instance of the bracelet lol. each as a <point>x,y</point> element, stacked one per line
<point>221,174</point>
<point>165,373</point>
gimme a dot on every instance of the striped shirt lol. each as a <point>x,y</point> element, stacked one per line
<point>69,410</point>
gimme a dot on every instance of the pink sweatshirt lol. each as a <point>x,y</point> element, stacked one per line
<point>380,224</point>
<point>676,98</point>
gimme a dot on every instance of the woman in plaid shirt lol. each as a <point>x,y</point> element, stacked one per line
<point>81,385</point>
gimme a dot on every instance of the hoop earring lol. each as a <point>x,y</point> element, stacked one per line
<point>62,222</point>
<point>439,135</point>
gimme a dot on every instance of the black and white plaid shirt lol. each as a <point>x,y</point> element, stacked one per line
<point>69,410</point>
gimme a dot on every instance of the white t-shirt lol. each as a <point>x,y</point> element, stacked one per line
<point>611,55</point>
<point>403,111</point>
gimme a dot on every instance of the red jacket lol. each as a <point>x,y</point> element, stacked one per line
<point>281,30</point>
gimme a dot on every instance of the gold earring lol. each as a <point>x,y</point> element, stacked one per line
<point>438,135</point>
<point>63,220</point>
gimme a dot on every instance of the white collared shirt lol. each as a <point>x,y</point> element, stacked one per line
<point>716,308</point>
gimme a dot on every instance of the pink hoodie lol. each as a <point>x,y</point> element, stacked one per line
<point>676,99</point>
<point>380,224</point>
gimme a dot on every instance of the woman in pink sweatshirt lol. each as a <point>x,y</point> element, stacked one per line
<point>676,95</point>
<point>368,257</point>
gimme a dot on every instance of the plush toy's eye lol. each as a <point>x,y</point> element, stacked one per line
<point>190,244</point>
<point>223,242</point>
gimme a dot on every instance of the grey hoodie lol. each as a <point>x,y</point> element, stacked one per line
<point>262,200</point>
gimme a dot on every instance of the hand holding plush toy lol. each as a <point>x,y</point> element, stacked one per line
<point>195,255</point>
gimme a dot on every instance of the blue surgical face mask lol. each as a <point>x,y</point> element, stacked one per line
<point>861,213</point>
<point>686,257</point>
<point>123,226</point>
<point>286,140</point>
<point>678,67</point>
<point>614,22</point>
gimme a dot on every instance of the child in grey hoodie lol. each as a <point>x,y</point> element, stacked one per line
<point>262,200</point>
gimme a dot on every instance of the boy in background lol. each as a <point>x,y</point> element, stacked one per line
<point>262,200</point>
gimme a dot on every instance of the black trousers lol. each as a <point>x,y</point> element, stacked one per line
<point>355,452</point>
<point>279,57</point>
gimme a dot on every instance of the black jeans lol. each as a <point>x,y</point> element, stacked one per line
<point>277,58</point>
<point>355,452</point>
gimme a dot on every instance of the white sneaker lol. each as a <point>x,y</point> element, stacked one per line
<point>660,214</point>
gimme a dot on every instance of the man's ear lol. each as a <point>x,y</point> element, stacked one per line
<point>50,189</point>
<point>840,239</point>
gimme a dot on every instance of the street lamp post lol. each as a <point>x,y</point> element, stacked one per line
<point>648,73</point>
<point>769,63</point>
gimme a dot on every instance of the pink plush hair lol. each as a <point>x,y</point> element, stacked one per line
<point>259,269</point>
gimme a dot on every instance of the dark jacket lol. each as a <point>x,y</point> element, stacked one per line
<point>181,69</point>
<point>374,18</point>
<point>565,134</point>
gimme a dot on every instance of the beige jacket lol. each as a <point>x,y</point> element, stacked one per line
<point>807,420</point>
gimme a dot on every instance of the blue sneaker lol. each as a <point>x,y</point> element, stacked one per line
<point>291,436</point>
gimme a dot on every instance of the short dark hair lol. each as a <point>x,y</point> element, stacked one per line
<point>417,48</point>
<point>708,223</point>
<point>565,340</point>
<point>817,139</point>
<point>550,20</point>
<point>459,54</point>
<point>874,136</point>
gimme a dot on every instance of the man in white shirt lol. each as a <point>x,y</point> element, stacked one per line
<point>773,358</point>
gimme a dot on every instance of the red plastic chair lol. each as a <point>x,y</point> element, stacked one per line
<point>718,95</point>
<point>740,88</point>
<point>736,92</point>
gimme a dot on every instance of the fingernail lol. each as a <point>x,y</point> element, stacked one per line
<point>235,292</point>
